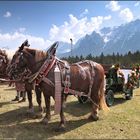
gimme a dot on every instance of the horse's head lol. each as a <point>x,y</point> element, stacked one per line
<point>26,58</point>
<point>20,60</point>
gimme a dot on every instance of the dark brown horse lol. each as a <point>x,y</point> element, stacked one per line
<point>14,74</point>
<point>3,63</point>
<point>85,77</point>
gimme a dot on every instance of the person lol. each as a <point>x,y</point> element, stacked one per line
<point>138,72</point>
<point>21,93</point>
<point>114,72</point>
<point>132,79</point>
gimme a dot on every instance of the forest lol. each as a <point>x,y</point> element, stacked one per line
<point>127,60</point>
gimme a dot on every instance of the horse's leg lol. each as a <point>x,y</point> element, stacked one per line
<point>48,110</point>
<point>38,97</point>
<point>94,113</point>
<point>95,104</point>
<point>64,99</point>
<point>29,94</point>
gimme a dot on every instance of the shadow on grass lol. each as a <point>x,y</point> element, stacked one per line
<point>118,101</point>
<point>38,131</point>
<point>9,89</point>
<point>78,109</point>
<point>17,122</point>
<point>5,103</point>
<point>74,108</point>
<point>14,116</point>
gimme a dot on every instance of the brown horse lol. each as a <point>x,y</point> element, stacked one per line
<point>15,74</point>
<point>85,77</point>
<point>3,63</point>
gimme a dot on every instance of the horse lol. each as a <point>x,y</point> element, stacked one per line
<point>28,86</point>
<point>3,63</point>
<point>86,78</point>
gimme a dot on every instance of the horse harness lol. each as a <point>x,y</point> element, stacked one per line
<point>64,68</point>
<point>64,72</point>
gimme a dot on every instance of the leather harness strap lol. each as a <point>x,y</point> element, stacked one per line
<point>48,64</point>
<point>44,70</point>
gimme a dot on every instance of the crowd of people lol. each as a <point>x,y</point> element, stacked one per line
<point>133,77</point>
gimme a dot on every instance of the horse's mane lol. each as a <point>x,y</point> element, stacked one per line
<point>40,55</point>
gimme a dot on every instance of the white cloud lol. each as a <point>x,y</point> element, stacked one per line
<point>107,17</point>
<point>22,29</point>
<point>113,6</point>
<point>13,41</point>
<point>126,15</point>
<point>76,28</point>
<point>73,28</point>
<point>137,4</point>
<point>7,14</point>
<point>84,13</point>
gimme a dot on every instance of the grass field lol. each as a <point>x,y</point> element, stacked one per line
<point>121,122</point>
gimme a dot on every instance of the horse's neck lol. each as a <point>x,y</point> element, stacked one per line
<point>38,60</point>
<point>38,65</point>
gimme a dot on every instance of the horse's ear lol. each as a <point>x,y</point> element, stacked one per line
<point>25,43</point>
<point>4,59</point>
<point>52,49</point>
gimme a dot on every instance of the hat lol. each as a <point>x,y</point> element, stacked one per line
<point>132,72</point>
<point>117,65</point>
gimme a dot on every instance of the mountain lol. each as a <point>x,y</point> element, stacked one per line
<point>119,39</point>
<point>124,38</point>
<point>90,43</point>
<point>63,47</point>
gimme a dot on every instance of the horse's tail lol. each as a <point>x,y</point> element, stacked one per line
<point>103,104</point>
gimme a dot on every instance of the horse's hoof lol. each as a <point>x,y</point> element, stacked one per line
<point>45,121</point>
<point>30,111</point>
<point>93,118</point>
<point>60,129</point>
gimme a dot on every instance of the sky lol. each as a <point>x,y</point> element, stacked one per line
<point>44,22</point>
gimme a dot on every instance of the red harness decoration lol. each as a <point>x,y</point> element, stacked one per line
<point>67,84</point>
<point>44,70</point>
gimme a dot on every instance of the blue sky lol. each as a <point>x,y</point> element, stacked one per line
<point>43,22</point>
